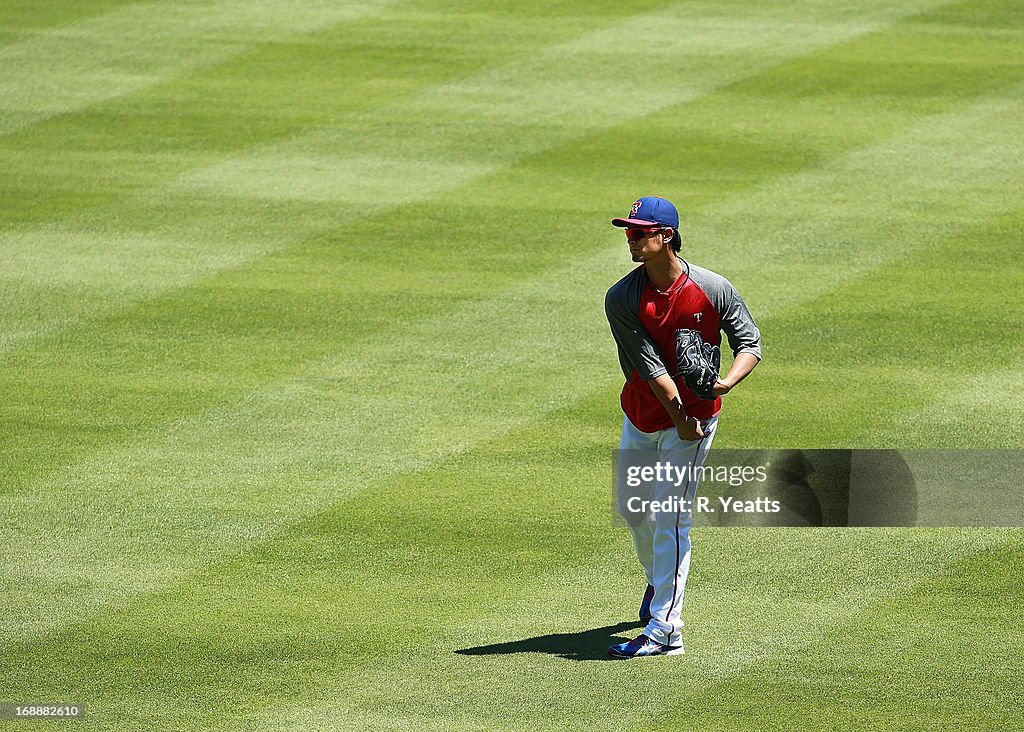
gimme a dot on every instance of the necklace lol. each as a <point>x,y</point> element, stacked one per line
<point>677,283</point>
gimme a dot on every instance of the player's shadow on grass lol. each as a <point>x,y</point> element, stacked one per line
<point>587,645</point>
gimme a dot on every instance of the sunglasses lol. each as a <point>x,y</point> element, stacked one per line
<point>635,233</point>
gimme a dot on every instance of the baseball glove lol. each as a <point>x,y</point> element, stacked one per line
<point>697,362</point>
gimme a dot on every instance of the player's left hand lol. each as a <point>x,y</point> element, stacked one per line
<point>720,388</point>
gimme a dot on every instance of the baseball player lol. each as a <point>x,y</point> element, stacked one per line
<point>667,316</point>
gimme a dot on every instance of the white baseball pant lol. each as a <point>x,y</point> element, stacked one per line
<point>663,541</point>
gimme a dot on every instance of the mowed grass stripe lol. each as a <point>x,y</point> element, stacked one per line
<point>343,423</point>
<point>428,563</point>
<point>747,584</point>
<point>22,18</point>
<point>215,678</point>
<point>286,642</point>
<point>109,234</point>
<point>159,216</point>
<point>463,503</point>
<point>418,145</point>
<point>755,623</point>
<point>861,228</point>
<point>530,105</point>
<point>880,278</point>
<point>138,206</point>
<point>108,460</point>
<point>275,89</point>
<point>938,654</point>
<point>979,406</point>
<point>905,325</point>
<point>33,256</point>
<point>200,217</point>
<point>141,44</point>
<point>824,227</point>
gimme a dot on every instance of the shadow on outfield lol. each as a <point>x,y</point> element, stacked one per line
<point>587,645</point>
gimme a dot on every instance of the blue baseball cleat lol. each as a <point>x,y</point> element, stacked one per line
<point>645,604</point>
<point>642,646</point>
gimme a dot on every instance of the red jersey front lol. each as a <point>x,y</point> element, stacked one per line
<point>683,305</point>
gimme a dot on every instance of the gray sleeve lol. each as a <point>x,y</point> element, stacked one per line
<point>636,349</point>
<point>735,319</point>
<point>739,327</point>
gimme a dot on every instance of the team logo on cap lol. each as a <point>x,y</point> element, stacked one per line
<point>636,207</point>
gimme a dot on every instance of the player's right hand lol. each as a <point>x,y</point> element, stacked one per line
<point>690,429</point>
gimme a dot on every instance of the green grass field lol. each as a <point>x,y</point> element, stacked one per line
<point>309,399</point>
